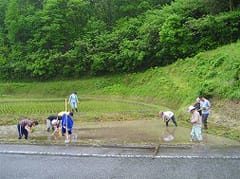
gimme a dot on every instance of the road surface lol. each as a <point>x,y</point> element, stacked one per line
<point>63,162</point>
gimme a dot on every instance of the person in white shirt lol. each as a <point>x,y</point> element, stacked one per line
<point>73,101</point>
<point>166,116</point>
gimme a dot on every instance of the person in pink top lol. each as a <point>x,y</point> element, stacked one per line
<point>195,120</point>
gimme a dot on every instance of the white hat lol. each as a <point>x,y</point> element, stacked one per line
<point>190,108</point>
<point>54,122</point>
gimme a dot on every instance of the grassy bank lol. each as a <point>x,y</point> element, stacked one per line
<point>214,73</point>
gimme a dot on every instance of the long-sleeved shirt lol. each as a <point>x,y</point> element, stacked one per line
<point>73,98</point>
<point>205,105</point>
<point>26,122</point>
<point>196,118</point>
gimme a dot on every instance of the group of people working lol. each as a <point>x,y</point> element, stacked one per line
<point>63,122</point>
<point>59,124</point>
<point>199,116</point>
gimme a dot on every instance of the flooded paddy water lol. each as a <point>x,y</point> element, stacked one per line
<point>117,133</point>
<point>101,121</point>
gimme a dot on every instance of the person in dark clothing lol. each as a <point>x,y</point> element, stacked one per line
<point>197,106</point>
<point>24,127</point>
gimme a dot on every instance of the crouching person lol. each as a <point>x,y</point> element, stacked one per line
<point>56,128</point>
<point>167,116</point>
<point>67,125</point>
<point>195,120</point>
<point>49,122</point>
<point>24,127</point>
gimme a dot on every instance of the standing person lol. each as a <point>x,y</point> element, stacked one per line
<point>67,125</point>
<point>205,107</point>
<point>195,120</point>
<point>73,101</point>
<point>24,127</point>
<point>49,122</point>
<point>197,106</point>
<point>166,116</point>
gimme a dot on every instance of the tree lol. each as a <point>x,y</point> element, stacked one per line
<point>234,4</point>
<point>61,22</point>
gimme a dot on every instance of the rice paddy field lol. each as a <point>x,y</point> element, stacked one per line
<point>90,109</point>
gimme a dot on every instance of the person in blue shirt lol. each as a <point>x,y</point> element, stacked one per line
<point>67,125</point>
<point>205,107</point>
<point>73,101</point>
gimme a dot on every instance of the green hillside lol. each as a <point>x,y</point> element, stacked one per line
<point>213,73</point>
<point>76,38</point>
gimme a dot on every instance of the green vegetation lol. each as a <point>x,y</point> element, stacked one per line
<point>92,109</point>
<point>120,56</point>
<point>214,74</point>
<point>56,39</point>
<point>137,95</point>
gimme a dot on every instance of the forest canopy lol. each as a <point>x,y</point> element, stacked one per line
<point>49,39</point>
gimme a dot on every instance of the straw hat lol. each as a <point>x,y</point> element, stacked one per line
<point>190,108</point>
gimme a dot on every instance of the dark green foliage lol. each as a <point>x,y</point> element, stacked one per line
<point>73,38</point>
<point>118,51</point>
<point>110,11</point>
<point>214,74</point>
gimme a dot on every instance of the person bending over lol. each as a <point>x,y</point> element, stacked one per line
<point>24,127</point>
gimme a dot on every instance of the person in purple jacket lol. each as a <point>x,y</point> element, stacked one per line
<point>24,127</point>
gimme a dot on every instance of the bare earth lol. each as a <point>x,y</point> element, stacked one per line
<point>227,113</point>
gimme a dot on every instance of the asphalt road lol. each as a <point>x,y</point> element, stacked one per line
<point>63,162</point>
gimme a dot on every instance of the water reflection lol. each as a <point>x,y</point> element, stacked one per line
<point>168,134</point>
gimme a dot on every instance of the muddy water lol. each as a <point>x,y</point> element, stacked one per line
<point>138,132</point>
